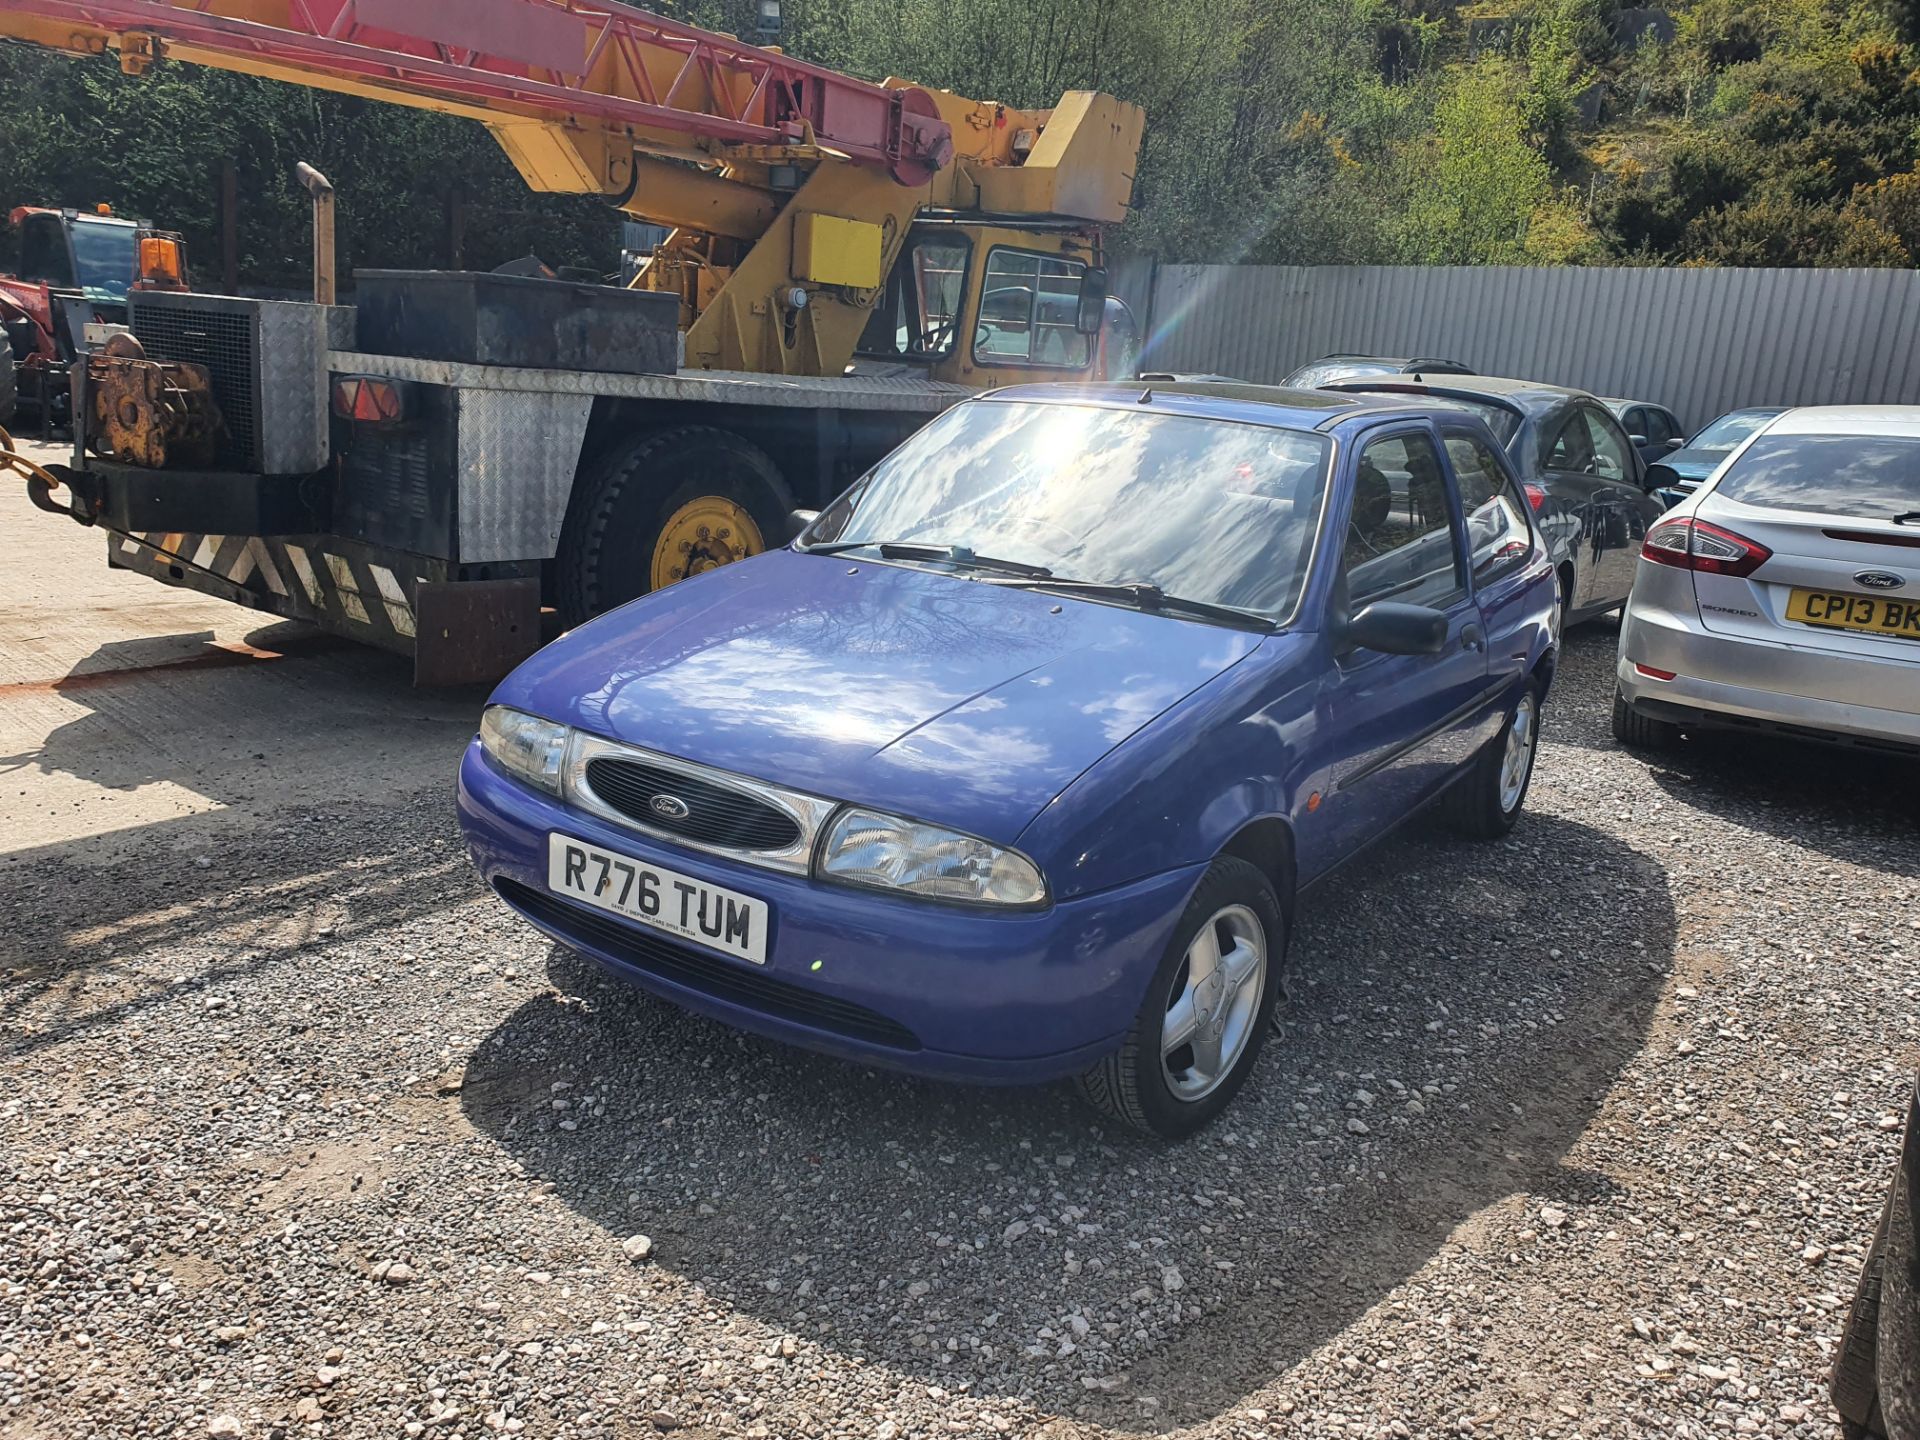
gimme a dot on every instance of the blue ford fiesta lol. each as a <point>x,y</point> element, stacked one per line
<point>1013,765</point>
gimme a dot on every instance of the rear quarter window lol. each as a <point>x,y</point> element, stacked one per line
<point>1868,477</point>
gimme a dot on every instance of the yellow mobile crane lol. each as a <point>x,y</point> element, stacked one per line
<point>844,258</point>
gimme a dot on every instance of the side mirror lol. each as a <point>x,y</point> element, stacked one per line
<point>1394,628</point>
<point>1637,440</point>
<point>1092,312</point>
<point>1678,442</point>
<point>798,521</point>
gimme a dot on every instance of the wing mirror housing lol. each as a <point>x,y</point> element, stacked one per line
<point>1092,311</point>
<point>1637,440</point>
<point>1394,628</point>
<point>798,521</point>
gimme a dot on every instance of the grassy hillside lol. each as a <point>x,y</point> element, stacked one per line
<point>1783,132</point>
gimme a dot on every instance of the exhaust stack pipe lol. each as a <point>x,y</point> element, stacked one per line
<point>321,188</point>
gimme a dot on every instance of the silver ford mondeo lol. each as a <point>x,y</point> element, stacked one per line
<point>1784,593</point>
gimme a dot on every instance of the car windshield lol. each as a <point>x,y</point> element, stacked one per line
<point>1729,430</point>
<point>104,257</point>
<point>1203,509</point>
<point>1329,372</point>
<point>1868,477</point>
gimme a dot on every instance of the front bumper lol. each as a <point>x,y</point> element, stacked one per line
<point>1007,999</point>
<point>1735,682</point>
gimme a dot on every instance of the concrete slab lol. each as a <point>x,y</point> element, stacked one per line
<point>124,702</point>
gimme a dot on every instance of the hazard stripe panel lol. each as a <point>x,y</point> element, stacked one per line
<point>304,578</point>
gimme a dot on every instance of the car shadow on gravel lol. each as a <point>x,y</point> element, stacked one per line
<point>1849,805</point>
<point>1459,1012</point>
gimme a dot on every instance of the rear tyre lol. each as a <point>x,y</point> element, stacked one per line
<point>666,505</point>
<point>1207,1011</point>
<point>1487,801</point>
<point>1854,1385</point>
<point>1641,732</point>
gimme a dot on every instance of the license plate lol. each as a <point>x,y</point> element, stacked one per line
<point>1870,614</point>
<point>720,919</point>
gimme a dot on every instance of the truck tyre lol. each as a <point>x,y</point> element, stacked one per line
<point>663,506</point>
<point>9,385</point>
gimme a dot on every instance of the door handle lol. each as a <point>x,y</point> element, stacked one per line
<point>1472,637</point>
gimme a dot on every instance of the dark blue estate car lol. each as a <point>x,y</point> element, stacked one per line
<point>1675,476</point>
<point>1013,766</point>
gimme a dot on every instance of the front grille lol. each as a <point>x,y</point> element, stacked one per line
<point>716,814</point>
<point>221,340</point>
<point>711,975</point>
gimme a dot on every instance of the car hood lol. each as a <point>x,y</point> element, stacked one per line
<point>921,692</point>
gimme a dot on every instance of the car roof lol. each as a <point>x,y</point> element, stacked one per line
<point>1224,400</point>
<point>1848,420</point>
<point>1616,404</point>
<point>1492,387</point>
<point>1407,362</point>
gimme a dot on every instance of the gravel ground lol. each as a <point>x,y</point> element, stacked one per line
<point>1579,1134</point>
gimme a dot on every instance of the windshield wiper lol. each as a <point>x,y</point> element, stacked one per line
<point>1145,596</point>
<point>952,554</point>
<point>1911,517</point>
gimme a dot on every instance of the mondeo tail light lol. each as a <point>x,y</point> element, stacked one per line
<point>1536,496</point>
<point>1690,544</point>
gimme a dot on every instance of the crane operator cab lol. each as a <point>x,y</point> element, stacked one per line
<point>977,306</point>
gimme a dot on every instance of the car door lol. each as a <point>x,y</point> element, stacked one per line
<point>1504,563</point>
<point>1594,471</point>
<point>1401,724</point>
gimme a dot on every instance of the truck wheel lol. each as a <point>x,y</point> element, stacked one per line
<point>9,385</point>
<point>666,505</point>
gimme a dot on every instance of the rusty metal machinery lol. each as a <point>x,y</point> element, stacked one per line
<point>149,413</point>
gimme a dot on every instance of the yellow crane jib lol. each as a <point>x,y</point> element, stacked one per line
<point>789,188</point>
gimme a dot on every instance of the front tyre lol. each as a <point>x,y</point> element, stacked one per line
<point>1207,1011</point>
<point>666,505</point>
<point>1488,799</point>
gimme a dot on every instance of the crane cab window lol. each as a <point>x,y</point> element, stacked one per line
<point>1027,311</point>
<point>918,313</point>
<point>43,251</point>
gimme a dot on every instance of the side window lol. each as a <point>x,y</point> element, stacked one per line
<point>1399,543</point>
<point>916,315</point>
<point>1499,537</point>
<point>1570,447</point>
<point>43,251</point>
<point>1027,311</point>
<point>1660,426</point>
<point>1612,457</point>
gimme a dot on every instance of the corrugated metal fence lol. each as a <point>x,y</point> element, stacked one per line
<point>1699,341</point>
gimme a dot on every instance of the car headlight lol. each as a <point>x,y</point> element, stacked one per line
<point>525,746</point>
<point>884,852</point>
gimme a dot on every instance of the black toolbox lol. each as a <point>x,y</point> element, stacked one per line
<point>540,324</point>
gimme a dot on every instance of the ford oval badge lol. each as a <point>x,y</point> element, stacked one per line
<point>1878,580</point>
<point>670,807</point>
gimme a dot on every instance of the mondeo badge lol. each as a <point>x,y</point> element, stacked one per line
<point>671,807</point>
<point>1878,580</point>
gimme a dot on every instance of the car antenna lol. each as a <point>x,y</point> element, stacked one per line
<point>1146,396</point>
